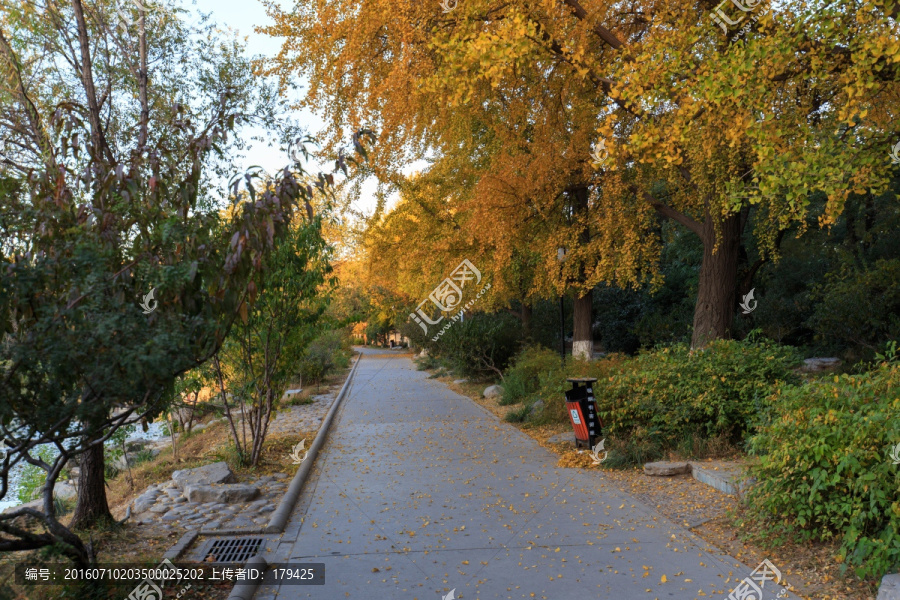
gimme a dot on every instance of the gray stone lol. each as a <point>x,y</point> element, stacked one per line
<point>64,490</point>
<point>143,502</point>
<point>561,438</point>
<point>458,381</point>
<point>292,392</point>
<point>812,365</point>
<point>666,468</point>
<point>205,475</point>
<point>536,407</point>
<point>137,445</point>
<point>890,587</point>
<point>267,509</point>
<point>180,499</point>
<point>727,477</point>
<point>171,516</point>
<point>199,427</point>
<point>241,522</point>
<point>159,508</point>
<point>233,492</point>
<point>492,391</point>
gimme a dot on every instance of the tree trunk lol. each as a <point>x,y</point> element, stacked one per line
<point>526,319</point>
<point>92,507</point>
<point>583,335</point>
<point>714,312</point>
<point>583,313</point>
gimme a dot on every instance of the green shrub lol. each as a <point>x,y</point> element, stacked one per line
<point>524,378</point>
<point>518,415</point>
<point>667,399</point>
<point>673,394</point>
<point>324,355</point>
<point>481,346</point>
<point>825,470</point>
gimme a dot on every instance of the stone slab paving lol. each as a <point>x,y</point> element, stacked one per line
<point>419,491</point>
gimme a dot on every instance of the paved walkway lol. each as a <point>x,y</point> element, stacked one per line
<point>419,491</point>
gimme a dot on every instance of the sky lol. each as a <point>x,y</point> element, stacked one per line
<point>243,16</point>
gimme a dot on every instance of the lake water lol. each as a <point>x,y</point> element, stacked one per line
<point>154,432</point>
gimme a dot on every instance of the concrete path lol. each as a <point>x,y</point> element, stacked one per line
<point>420,491</point>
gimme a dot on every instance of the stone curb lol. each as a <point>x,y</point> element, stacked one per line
<point>246,589</point>
<point>186,540</point>
<point>720,481</point>
<point>281,515</point>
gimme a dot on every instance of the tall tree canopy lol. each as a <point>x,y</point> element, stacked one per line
<point>701,127</point>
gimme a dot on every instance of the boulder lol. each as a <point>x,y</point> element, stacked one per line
<point>536,407</point>
<point>666,468</point>
<point>228,493</point>
<point>812,365</point>
<point>459,381</point>
<point>890,587</point>
<point>492,391</point>
<point>137,445</point>
<point>64,490</point>
<point>205,475</point>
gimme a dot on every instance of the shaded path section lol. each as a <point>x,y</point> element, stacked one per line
<point>419,491</point>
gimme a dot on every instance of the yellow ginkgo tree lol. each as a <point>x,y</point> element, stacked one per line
<point>711,116</point>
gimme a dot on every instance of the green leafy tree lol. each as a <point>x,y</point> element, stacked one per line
<point>276,326</point>
<point>106,182</point>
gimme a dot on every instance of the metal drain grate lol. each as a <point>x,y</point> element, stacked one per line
<point>233,550</point>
